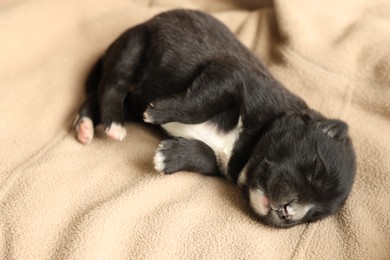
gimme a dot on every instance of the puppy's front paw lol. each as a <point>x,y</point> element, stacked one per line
<point>168,158</point>
<point>148,117</point>
<point>84,129</point>
<point>116,131</point>
<point>159,159</point>
<point>156,115</point>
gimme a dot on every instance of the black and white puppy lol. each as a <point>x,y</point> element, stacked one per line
<point>226,114</point>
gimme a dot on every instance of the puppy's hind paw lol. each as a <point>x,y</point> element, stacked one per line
<point>84,130</point>
<point>116,131</point>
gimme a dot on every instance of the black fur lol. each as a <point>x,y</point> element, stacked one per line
<point>185,66</point>
<point>188,155</point>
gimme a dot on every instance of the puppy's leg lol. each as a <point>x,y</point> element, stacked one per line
<point>112,96</point>
<point>120,65</point>
<point>212,90</point>
<point>87,119</point>
<point>180,154</point>
<point>89,116</point>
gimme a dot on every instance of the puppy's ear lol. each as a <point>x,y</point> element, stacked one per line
<point>334,128</point>
<point>311,116</point>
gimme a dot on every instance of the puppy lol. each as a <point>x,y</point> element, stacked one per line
<point>226,114</point>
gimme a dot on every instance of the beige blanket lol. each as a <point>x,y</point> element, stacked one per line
<point>62,200</point>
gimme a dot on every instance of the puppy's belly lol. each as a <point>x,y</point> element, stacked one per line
<point>221,143</point>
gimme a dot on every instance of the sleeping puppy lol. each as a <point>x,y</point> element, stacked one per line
<point>226,115</point>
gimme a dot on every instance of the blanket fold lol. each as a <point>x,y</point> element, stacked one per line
<point>62,200</point>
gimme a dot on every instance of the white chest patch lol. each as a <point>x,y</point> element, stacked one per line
<point>221,143</point>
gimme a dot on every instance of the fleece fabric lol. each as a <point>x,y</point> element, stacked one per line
<point>63,200</point>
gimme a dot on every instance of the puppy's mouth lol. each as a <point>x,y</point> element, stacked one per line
<point>260,204</point>
<point>283,216</point>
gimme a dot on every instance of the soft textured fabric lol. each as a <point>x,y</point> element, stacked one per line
<point>63,200</point>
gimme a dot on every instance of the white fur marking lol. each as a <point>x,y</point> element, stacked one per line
<point>259,202</point>
<point>116,131</point>
<point>147,118</point>
<point>159,159</point>
<point>243,177</point>
<point>298,211</point>
<point>221,143</point>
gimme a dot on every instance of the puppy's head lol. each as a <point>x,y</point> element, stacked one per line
<point>301,170</point>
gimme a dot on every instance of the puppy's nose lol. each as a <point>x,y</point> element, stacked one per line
<point>283,212</point>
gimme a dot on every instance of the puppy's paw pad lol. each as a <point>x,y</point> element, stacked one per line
<point>116,131</point>
<point>84,130</point>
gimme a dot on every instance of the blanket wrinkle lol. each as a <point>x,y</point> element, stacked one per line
<point>23,166</point>
<point>306,234</point>
<point>88,215</point>
<point>62,200</point>
<point>297,56</point>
